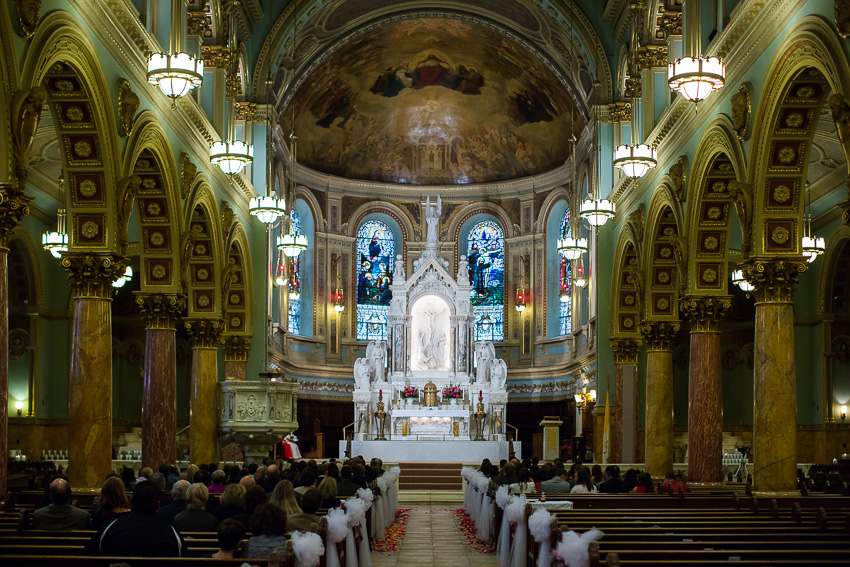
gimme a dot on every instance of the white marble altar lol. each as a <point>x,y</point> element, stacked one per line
<point>430,339</point>
<point>432,451</point>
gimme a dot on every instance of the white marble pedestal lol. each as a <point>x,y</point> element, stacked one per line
<point>432,451</point>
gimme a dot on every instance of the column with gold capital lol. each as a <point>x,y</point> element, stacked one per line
<point>659,434</point>
<point>203,418</point>
<point>705,386</point>
<point>774,375</point>
<point>90,381</point>
<point>14,205</point>
<point>159,397</point>
<point>236,349</point>
<point>626,359</point>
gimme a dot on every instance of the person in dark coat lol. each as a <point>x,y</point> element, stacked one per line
<point>195,518</point>
<point>59,514</point>
<point>178,504</point>
<point>141,533</point>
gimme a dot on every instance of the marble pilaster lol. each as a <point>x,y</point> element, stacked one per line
<point>159,397</point>
<point>236,348</point>
<point>90,382</point>
<point>203,415</point>
<point>625,355</point>
<point>14,205</point>
<point>659,434</point>
<point>705,386</point>
<point>775,380</point>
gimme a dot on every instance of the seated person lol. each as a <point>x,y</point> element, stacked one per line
<point>195,518</point>
<point>218,482</point>
<point>613,485</point>
<point>254,496</point>
<point>230,536</point>
<point>346,487</point>
<point>672,481</point>
<point>111,503</point>
<point>232,502</point>
<point>141,533</point>
<point>178,502</point>
<point>583,485</point>
<point>328,489</point>
<point>268,524</point>
<point>644,485</point>
<point>310,504</point>
<point>59,514</point>
<point>558,484</point>
<point>524,484</point>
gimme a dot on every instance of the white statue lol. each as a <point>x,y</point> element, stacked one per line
<point>462,276</point>
<point>484,353</point>
<point>498,375</point>
<point>398,270</point>
<point>432,344</point>
<point>376,354</point>
<point>362,374</point>
<point>432,219</point>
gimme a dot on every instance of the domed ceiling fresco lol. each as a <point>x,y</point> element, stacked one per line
<point>432,101</point>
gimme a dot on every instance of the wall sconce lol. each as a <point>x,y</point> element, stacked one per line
<point>20,407</point>
<point>521,299</point>
<point>338,297</point>
<point>842,409</point>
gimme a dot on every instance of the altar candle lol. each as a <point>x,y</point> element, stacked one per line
<point>380,394</point>
<point>480,395</point>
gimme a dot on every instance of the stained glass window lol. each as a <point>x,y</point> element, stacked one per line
<point>566,283</point>
<point>375,257</point>
<point>294,318</point>
<point>486,256</point>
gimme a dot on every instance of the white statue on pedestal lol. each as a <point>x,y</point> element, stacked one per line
<point>432,344</point>
<point>484,353</point>
<point>432,218</point>
<point>462,276</point>
<point>376,355</point>
<point>498,375</point>
<point>362,374</point>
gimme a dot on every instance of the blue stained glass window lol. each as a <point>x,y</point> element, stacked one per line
<point>294,317</point>
<point>566,283</point>
<point>486,256</point>
<point>375,258</point>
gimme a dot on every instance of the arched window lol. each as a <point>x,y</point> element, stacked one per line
<point>294,316</point>
<point>485,250</point>
<point>375,257</point>
<point>565,319</point>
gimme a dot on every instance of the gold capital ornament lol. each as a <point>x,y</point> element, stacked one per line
<point>92,275</point>
<point>625,350</point>
<point>705,311</point>
<point>204,333</point>
<point>774,279</point>
<point>659,335</point>
<point>236,347</point>
<point>161,310</point>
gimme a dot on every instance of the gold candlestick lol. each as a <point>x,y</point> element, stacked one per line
<point>480,415</point>
<point>381,417</point>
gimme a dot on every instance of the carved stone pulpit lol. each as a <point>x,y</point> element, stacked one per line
<point>430,393</point>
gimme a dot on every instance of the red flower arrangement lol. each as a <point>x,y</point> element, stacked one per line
<point>410,392</point>
<point>452,392</point>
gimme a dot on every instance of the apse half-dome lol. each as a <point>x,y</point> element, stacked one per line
<point>432,101</point>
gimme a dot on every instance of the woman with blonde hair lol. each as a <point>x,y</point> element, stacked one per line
<point>190,473</point>
<point>283,496</point>
<point>195,518</point>
<point>111,503</point>
<point>327,488</point>
<point>232,502</point>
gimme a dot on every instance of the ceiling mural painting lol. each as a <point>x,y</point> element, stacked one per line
<point>432,101</point>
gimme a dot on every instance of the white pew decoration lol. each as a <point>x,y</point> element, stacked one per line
<point>503,542</point>
<point>337,531</point>
<point>540,528</point>
<point>515,512</point>
<point>308,548</point>
<point>572,549</point>
<point>485,514</point>
<point>357,541</point>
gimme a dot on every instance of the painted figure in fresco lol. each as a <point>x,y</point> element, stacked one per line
<point>430,71</point>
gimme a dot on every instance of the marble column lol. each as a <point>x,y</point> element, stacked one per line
<point>705,386</point>
<point>626,358</point>
<point>159,397</point>
<point>775,379</point>
<point>90,382</point>
<point>236,348</point>
<point>658,432</point>
<point>14,205</point>
<point>203,414</point>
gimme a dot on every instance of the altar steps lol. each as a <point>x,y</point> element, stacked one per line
<point>430,476</point>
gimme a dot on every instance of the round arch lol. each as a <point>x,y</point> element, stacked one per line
<point>627,288</point>
<point>61,58</point>
<point>834,247</point>
<point>8,85</point>
<point>237,283</point>
<point>663,248</point>
<point>202,216</point>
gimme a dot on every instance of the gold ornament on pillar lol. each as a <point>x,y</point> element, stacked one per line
<point>128,105</point>
<point>236,347</point>
<point>705,311</point>
<point>92,274</point>
<point>161,310</point>
<point>625,350</point>
<point>28,13</point>
<point>774,279</point>
<point>741,109</point>
<point>659,335</point>
<point>204,333</point>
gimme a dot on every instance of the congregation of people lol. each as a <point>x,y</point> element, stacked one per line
<point>266,501</point>
<point>528,476</point>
